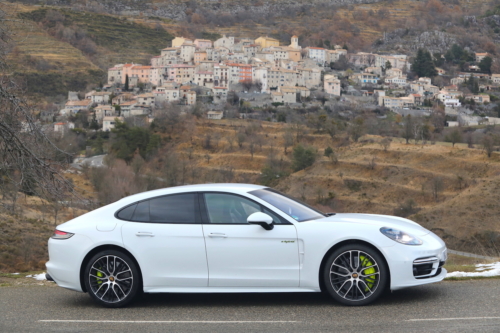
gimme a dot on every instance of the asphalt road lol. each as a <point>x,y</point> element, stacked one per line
<point>454,306</point>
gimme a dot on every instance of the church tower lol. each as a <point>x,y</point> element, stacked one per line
<point>295,42</point>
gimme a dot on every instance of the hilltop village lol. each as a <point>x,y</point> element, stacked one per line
<point>262,73</point>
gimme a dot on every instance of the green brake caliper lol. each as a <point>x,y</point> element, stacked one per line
<point>99,274</point>
<point>370,280</point>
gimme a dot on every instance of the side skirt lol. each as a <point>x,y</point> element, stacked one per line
<point>228,290</point>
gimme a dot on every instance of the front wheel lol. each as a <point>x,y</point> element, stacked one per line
<point>112,278</point>
<point>355,274</point>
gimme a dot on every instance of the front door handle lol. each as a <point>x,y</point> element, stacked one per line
<point>217,234</point>
<point>144,234</point>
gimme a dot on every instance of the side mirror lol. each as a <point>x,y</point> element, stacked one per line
<point>262,219</point>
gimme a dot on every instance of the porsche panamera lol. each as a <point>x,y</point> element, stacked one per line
<point>238,238</point>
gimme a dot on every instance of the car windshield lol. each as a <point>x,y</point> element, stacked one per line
<point>297,210</point>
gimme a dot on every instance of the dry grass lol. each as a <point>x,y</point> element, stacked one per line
<point>32,40</point>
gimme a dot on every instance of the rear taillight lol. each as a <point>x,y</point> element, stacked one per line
<point>58,234</point>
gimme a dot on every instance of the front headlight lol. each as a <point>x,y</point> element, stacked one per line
<point>400,236</point>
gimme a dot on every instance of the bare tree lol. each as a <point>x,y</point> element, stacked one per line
<point>408,128</point>
<point>27,156</point>
<point>385,143</point>
<point>488,144</point>
<point>287,140</point>
<point>372,163</point>
<point>437,187</point>
<point>251,146</point>
<point>207,141</point>
<point>241,138</point>
<point>455,136</point>
<point>230,140</point>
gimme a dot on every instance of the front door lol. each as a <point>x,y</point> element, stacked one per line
<point>246,255</point>
<point>166,237</point>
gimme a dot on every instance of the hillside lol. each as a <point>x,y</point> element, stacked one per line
<point>58,50</point>
<point>450,190</point>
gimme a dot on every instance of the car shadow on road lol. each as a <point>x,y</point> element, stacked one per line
<point>396,298</point>
<point>413,295</point>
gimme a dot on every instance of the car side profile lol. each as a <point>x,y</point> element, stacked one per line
<point>238,238</point>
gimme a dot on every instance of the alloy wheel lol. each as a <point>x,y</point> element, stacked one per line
<point>110,279</point>
<point>355,275</point>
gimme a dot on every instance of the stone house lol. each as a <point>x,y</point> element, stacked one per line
<point>147,99</point>
<point>202,43</point>
<point>220,94</point>
<point>227,42</point>
<point>267,42</point>
<point>317,53</point>
<point>178,41</point>
<point>332,85</point>
<point>108,123</point>
<point>216,115</point>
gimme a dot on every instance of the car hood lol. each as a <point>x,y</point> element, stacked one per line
<point>379,221</point>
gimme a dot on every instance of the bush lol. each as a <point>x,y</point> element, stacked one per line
<point>353,185</point>
<point>303,157</point>
<point>409,207</point>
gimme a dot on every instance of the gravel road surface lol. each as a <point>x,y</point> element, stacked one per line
<point>453,306</point>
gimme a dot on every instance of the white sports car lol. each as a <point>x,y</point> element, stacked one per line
<point>238,238</point>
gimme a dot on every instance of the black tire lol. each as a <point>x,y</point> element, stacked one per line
<point>112,279</point>
<point>362,282</point>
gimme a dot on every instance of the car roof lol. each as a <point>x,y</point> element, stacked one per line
<point>222,187</point>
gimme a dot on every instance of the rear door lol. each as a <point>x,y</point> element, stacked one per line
<point>166,237</point>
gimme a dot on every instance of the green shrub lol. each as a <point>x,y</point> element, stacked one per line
<point>303,157</point>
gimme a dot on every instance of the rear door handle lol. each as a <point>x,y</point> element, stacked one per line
<point>217,234</point>
<point>144,234</point>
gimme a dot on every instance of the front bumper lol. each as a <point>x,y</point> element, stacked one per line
<point>404,259</point>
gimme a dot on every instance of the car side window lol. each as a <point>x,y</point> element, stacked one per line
<point>228,208</point>
<point>141,213</point>
<point>177,208</point>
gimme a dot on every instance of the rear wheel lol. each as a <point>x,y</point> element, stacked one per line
<point>112,278</point>
<point>355,274</point>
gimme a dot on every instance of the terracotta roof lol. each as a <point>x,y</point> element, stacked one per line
<point>112,118</point>
<point>85,102</point>
<point>129,103</point>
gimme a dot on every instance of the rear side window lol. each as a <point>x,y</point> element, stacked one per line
<point>127,212</point>
<point>141,213</point>
<point>174,208</point>
<point>179,208</point>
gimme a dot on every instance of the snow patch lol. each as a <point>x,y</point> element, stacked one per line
<point>38,277</point>
<point>485,270</point>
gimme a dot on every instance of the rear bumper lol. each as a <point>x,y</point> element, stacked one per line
<point>65,260</point>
